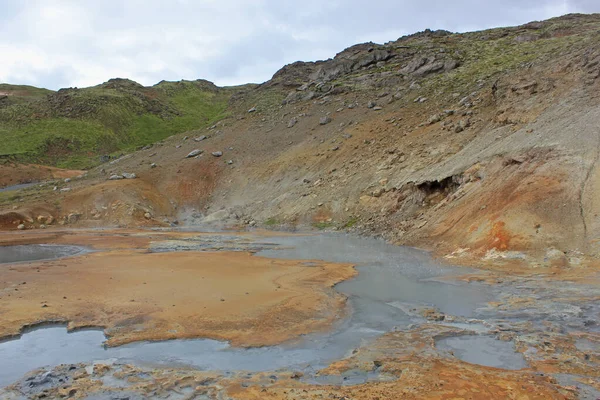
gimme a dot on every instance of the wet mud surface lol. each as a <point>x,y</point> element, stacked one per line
<point>410,325</point>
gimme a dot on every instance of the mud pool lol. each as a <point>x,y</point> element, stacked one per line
<point>393,286</point>
<point>37,252</point>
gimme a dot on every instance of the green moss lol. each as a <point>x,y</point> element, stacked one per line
<point>351,222</point>
<point>88,123</point>
<point>323,225</point>
<point>272,221</point>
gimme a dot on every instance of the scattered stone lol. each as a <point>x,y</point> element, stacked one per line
<point>67,180</point>
<point>292,122</point>
<point>229,162</point>
<point>297,375</point>
<point>324,120</point>
<point>200,138</point>
<point>115,177</point>
<point>147,215</point>
<point>194,153</point>
<point>434,119</point>
<point>217,153</point>
<point>128,175</point>
<point>153,165</point>
<point>21,227</point>
<point>371,104</point>
<point>42,226</point>
<point>377,108</point>
<point>64,190</point>
<point>253,109</point>
<point>378,192</point>
<point>73,217</point>
<point>185,138</point>
<point>252,223</point>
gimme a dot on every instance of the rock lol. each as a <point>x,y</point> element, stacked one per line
<point>292,122</point>
<point>324,120</point>
<point>147,215</point>
<point>253,109</point>
<point>378,192</point>
<point>297,375</point>
<point>200,138</point>
<point>127,175</point>
<point>377,108</point>
<point>67,180</point>
<point>434,119</point>
<point>186,138</point>
<point>21,227</point>
<point>64,190</point>
<point>153,165</point>
<point>229,162</point>
<point>217,153</point>
<point>42,226</point>
<point>41,219</point>
<point>115,177</point>
<point>194,153</point>
<point>73,217</point>
<point>252,223</point>
<point>371,104</point>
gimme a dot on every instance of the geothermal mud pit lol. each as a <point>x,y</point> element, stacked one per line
<point>257,314</point>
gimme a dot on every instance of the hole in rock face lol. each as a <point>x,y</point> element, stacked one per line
<point>36,252</point>
<point>483,350</point>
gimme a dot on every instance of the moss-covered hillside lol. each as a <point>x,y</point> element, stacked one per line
<point>78,128</point>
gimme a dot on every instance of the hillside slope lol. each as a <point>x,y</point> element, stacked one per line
<point>481,145</point>
<point>79,128</point>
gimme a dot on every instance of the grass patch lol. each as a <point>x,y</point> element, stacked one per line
<point>272,222</point>
<point>351,222</point>
<point>323,225</point>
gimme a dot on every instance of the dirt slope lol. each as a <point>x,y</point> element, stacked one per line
<point>481,145</point>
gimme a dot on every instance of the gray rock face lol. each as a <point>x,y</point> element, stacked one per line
<point>194,153</point>
<point>324,120</point>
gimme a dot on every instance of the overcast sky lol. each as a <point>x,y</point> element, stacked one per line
<point>64,43</point>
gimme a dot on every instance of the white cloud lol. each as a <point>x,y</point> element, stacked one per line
<point>55,43</point>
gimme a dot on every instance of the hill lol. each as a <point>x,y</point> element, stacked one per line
<point>481,146</point>
<point>80,128</point>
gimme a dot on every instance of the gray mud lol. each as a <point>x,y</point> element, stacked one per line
<point>17,187</point>
<point>394,286</point>
<point>483,350</point>
<point>37,252</point>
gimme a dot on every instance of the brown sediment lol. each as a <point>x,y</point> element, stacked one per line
<point>135,295</point>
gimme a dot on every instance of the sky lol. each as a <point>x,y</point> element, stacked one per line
<point>79,43</point>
